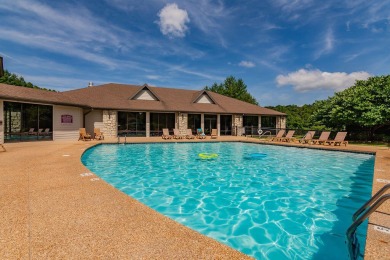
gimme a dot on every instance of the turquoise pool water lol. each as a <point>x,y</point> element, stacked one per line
<point>269,202</point>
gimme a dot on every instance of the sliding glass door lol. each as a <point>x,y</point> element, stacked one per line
<point>27,122</point>
<point>132,123</point>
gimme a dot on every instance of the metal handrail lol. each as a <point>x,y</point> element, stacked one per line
<point>351,230</point>
<point>263,134</point>
<point>370,201</point>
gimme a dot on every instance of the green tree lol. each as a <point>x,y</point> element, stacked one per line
<point>365,105</point>
<point>233,88</point>
<point>299,117</point>
<point>13,79</point>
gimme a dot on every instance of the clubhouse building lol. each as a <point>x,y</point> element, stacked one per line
<point>31,114</point>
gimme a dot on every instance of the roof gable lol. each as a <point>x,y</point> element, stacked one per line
<point>204,98</point>
<point>145,93</point>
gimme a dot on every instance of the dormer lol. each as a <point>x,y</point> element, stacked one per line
<point>204,98</point>
<point>145,93</point>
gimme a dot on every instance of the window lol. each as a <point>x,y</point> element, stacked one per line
<point>132,123</point>
<point>158,121</point>
<point>194,122</point>
<point>27,122</point>
<point>210,122</point>
<point>268,122</point>
<point>226,124</point>
<point>251,124</point>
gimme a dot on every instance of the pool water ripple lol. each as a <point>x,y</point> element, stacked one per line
<point>289,204</point>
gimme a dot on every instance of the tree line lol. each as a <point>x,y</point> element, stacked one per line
<point>13,79</point>
<point>363,109</point>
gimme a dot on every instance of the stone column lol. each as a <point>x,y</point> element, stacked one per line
<point>147,119</point>
<point>202,121</point>
<point>183,123</point>
<point>259,127</point>
<point>278,122</point>
<point>110,123</point>
<point>283,121</point>
<point>238,121</point>
<point>219,124</point>
<point>2,123</point>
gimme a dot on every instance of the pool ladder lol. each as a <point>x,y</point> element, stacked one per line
<point>364,212</point>
<point>119,139</point>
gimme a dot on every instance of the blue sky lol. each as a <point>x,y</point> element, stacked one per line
<point>286,51</point>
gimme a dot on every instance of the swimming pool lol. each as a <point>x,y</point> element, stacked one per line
<point>289,202</point>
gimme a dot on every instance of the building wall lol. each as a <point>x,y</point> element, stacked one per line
<point>95,116</point>
<point>67,131</point>
<point>2,122</point>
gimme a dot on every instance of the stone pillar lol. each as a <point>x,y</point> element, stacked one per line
<point>2,123</point>
<point>110,123</point>
<point>202,121</point>
<point>259,127</point>
<point>183,123</point>
<point>238,121</point>
<point>147,122</point>
<point>219,124</point>
<point>277,122</point>
<point>283,121</point>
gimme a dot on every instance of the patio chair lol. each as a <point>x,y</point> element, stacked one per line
<point>31,131</point>
<point>200,134</point>
<point>46,132</point>
<point>84,135</point>
<point>278,136</point>
<point>214,133</point>
<point>97,134</point>
<point>289,136</point>
<point>308,137</point>
<point>338,140</point>
<point>176,134</point>
<point>189,134</point>
<point>165,134</point>
<point>322,139</point>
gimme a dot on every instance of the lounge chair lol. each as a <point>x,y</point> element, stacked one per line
<point>176,134</point>
<point>339,139</point>
<point>189,134</point>
<point>322,139</point>
<point>214,133</point>
<point>31,131</point>
<point>165,134</point>
<point>308,137</point>
<point>40,130</point>
<point>289,136</point>
<point>278,136</point>
<point>84,135</point>
<point>97,134</point>
<point>46,132</point>
<point>200,134</point>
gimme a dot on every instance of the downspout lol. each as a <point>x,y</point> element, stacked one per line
<point>1,67</point>
<point>84,115</point>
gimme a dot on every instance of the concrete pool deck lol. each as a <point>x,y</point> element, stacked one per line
<point>51,209</point>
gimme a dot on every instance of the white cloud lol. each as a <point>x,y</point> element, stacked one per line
<point>306,80</point>
<point>327,44</point>
<point>246,64</point>
<point>153,77</point>
<point>173,21</point>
